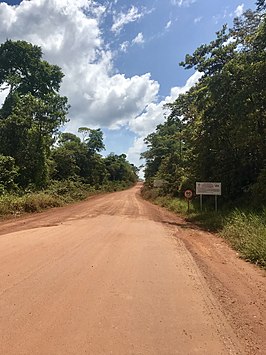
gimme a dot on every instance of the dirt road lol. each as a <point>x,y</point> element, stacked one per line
<point>117,275</point>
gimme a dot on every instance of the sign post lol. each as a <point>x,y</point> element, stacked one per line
<point>209,188</point>
<point>188,195</point>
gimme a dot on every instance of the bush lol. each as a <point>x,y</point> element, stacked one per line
<point>246,232</point>
<point>58,194</point>
<point>258,190</point>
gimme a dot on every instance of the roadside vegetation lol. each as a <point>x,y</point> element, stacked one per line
<point>40,165</point>
<point>56,195</point>
<point>215,132</point>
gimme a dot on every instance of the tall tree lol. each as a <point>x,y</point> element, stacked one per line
<point>33,110</point>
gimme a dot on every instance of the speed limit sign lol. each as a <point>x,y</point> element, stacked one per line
<point>188,194</point>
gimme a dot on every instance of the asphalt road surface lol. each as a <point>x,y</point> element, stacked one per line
<point>117,275</point>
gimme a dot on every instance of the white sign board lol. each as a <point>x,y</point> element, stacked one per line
<point>208,188</point>
<point>158,183</point>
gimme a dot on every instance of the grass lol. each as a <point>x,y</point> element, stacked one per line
<point>244,230</point>
<point>58,194</point>
<point>32,202</point>
<point>174,204</point>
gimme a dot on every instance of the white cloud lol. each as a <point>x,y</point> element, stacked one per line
<point>168,25</point>
<point>139,39</point>
<point>181,3</point>
<point>134,152</point>
<point>197,19</point>
<point>152,116</point>
<point>239,10</point>
<point>3,94</point>
<point>122,19</point>
<point>69,34</point>
<point>124,46</point>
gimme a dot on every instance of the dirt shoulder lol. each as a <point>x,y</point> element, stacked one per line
<point>239,286</point>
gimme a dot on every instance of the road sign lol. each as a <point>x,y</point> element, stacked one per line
<point>208,188</point>
<point>188,194</point>
<point>159,183</point>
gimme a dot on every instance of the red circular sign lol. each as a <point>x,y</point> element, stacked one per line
<point>188,194</point>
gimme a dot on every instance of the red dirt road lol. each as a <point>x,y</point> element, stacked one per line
<point>117,275</point>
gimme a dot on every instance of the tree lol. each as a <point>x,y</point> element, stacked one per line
<point>33,110</point>
<point>94,140</point>
<point>221,121</point>
<point>69,157</point>
<point>261,4</point>
<point>23,71</point>
<point>8,173</point>
<point>119,169</point>
<point>76,159</point>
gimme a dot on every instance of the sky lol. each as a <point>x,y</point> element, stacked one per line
<point>120,58</point>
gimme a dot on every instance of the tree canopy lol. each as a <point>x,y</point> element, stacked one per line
<point>216,131</point>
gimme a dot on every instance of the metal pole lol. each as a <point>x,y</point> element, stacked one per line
<point>216,203</point>
<point>201,203</point>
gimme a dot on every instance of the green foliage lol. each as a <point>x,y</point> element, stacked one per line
<point>33,202</point>
<point>23,71</point>
<point>58,194</point>
<point>94,140</point>
<point>258,190</point>
<point>74,159</point>
<point>216,131</point>
<point>209,219</point>
<point>8,173</point>
<point>261,4</point>
<point>119,169</point>
<point>175,205</point>
<point>32,112</point>
<point>247,234</point>
<point>68,157</point>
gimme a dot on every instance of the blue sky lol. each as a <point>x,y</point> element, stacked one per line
<point>120,58</point>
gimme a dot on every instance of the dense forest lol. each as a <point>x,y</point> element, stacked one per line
<point>34,152</point>
<point>217,130</point>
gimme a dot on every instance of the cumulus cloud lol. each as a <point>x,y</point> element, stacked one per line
<point>69,34</point>
<point>152,116</point>
<point>139,39</point>
<point>121,19</point>
<point>239,10</point>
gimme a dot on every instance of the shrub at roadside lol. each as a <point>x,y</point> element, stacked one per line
<point>32,202</point>
<point>58,194</point>
<point>246,232</point>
